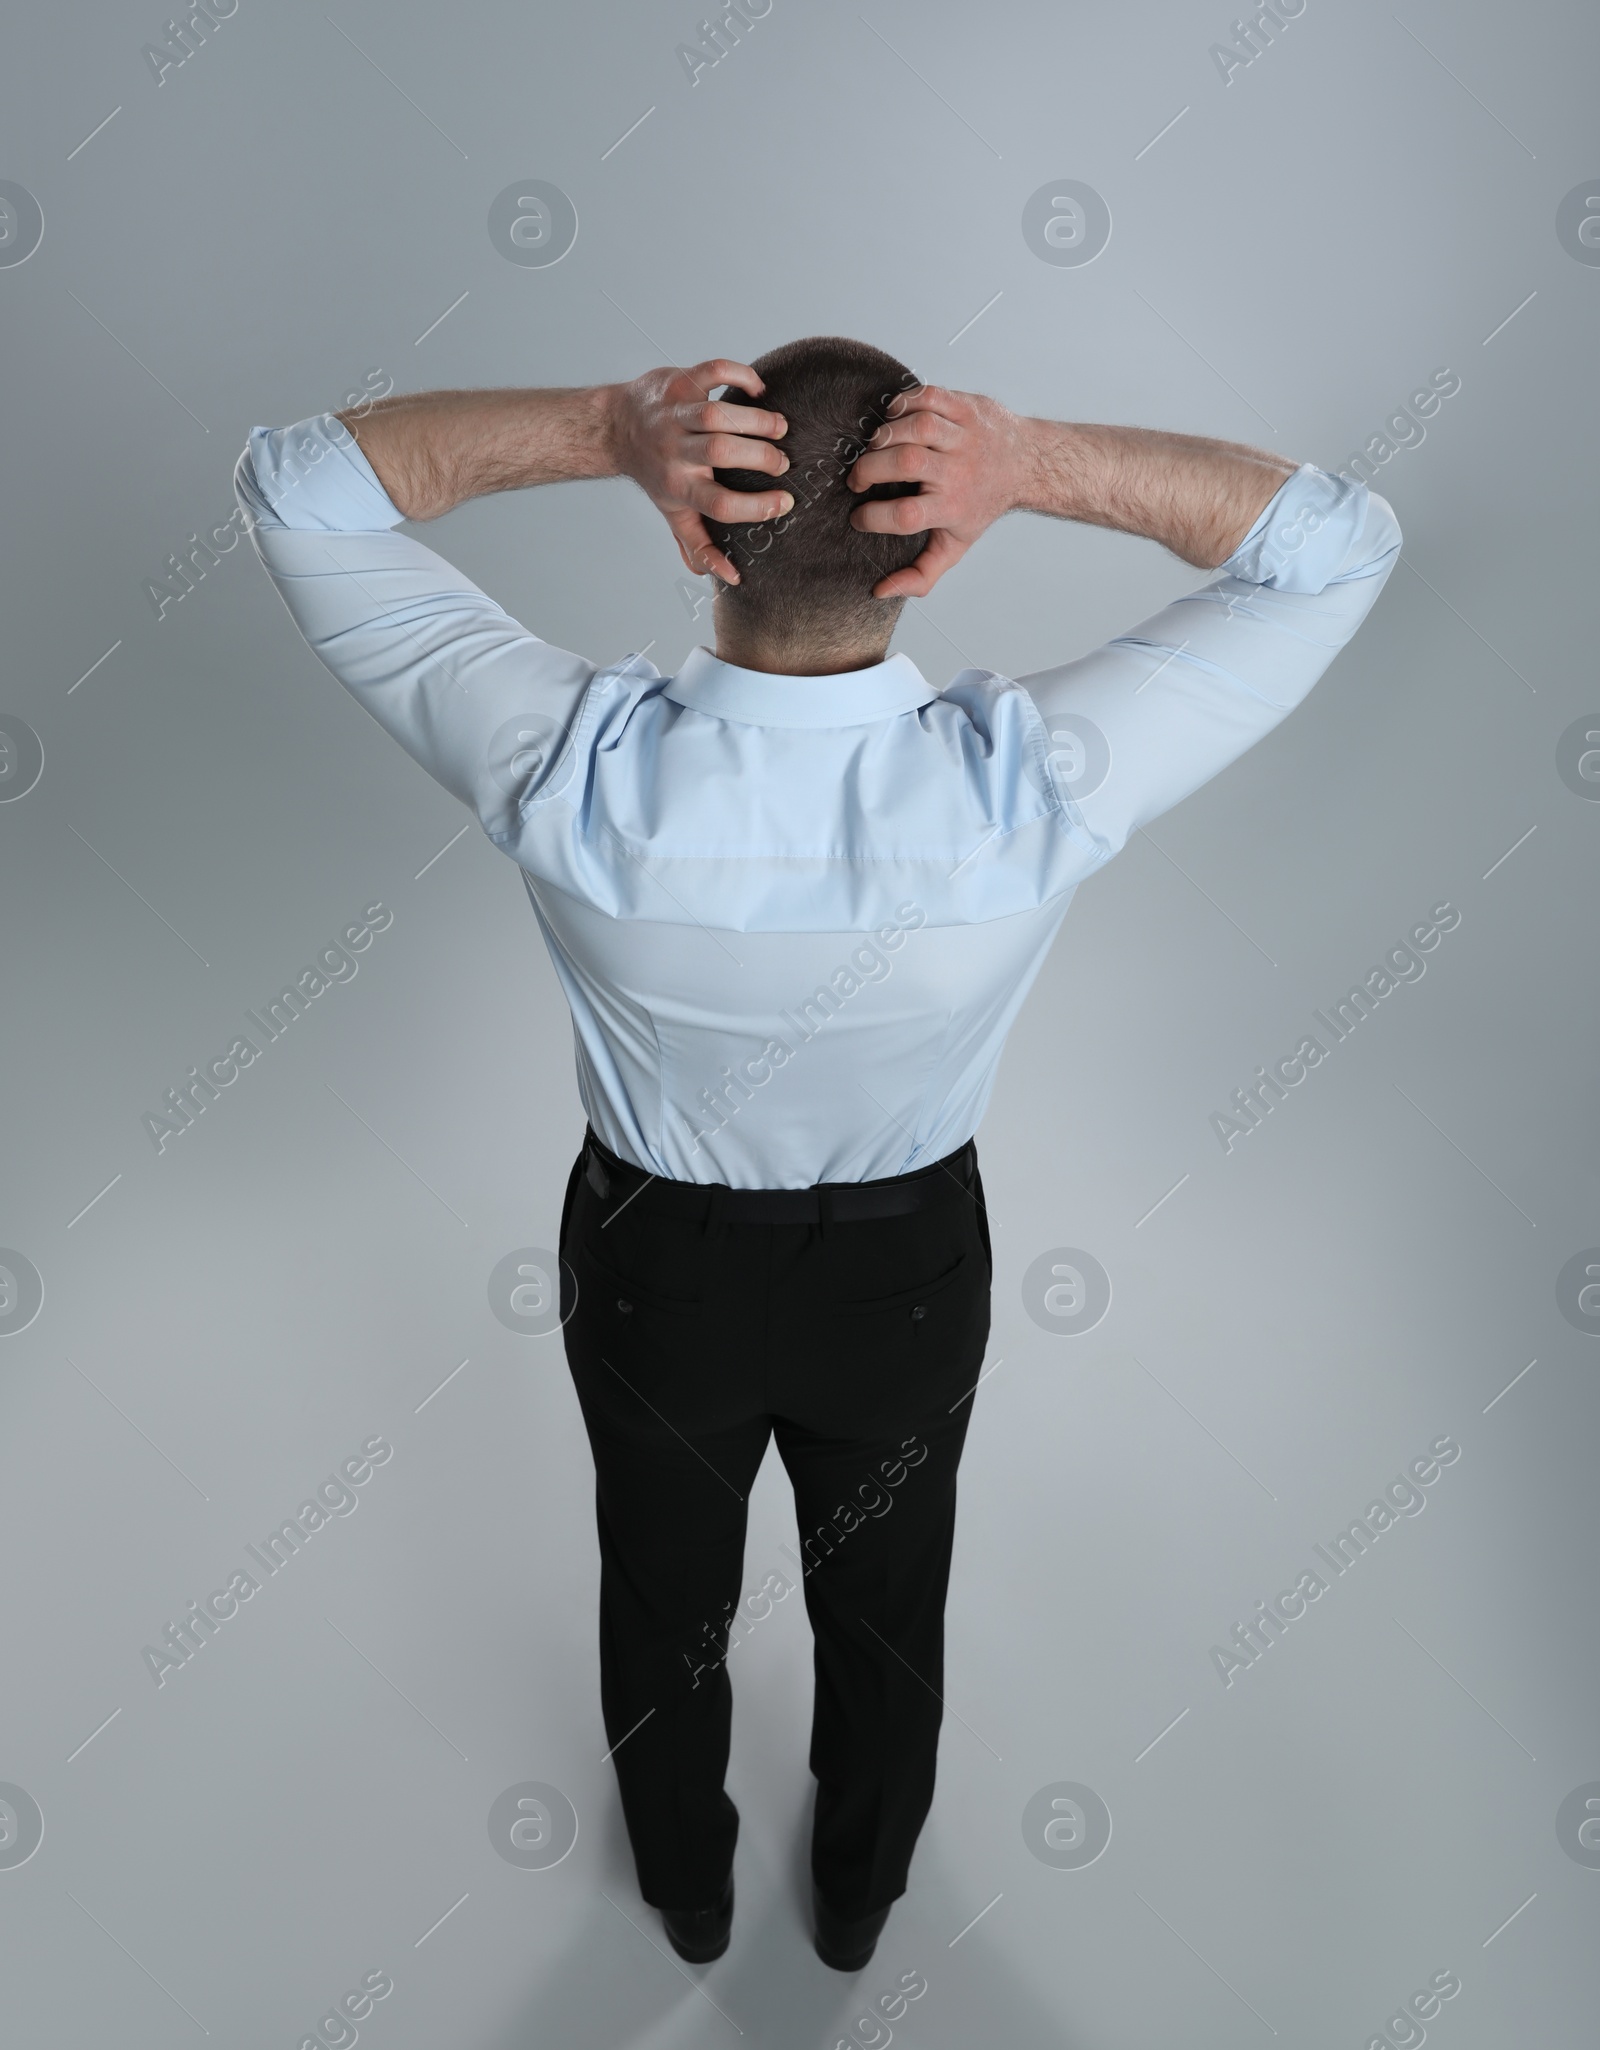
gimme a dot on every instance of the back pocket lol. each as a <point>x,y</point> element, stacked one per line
<point>908,1302</point>
<point>617,1289</point>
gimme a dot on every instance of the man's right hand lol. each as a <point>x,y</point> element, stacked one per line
<point>432,450</point>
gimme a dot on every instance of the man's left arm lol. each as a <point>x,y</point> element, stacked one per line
<point>1300,556</point>
<point>1181,696</point>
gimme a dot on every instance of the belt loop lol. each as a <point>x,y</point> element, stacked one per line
<point>825,1215</point>
<point>712,1221</point>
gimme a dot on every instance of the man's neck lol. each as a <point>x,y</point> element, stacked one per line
<point>792,661</point>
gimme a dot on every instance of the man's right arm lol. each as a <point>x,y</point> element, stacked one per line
<point>434,660</point>
<point>439,665</point>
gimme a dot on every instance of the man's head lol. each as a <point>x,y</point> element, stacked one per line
<point>804,601</point>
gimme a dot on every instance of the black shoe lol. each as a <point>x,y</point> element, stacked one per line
<point>846,1942</point>
<point>701,1934</point>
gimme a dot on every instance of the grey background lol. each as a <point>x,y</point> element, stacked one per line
<point>228,1320</point>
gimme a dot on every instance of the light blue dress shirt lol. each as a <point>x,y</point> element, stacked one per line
<point>795,916</point>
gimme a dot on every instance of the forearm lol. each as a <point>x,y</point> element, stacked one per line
<point>433,450</point>
<point>1197,497</point>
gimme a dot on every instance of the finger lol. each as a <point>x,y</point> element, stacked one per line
<point>715,416</point>
<point>932,430</point>
<point>723,370</point>
<point>918,580</point>
<point>738,508</point>
<point>905,462</point>
<point>700,553</point>
<point>734,452</point>
<point>913,515</point>
<point>701,560</point>
<point>931,398</point>
<point>717,564</point>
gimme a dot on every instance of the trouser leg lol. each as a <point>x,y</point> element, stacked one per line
<point>664,1384</point>
<point>875,1582</point>
<point>886,1324</point>
<point>671,1558</point>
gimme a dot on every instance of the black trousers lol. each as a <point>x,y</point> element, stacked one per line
<point>857,1343</point>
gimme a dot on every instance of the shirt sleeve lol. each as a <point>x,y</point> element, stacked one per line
<point>483,705</point>
<point>1132,729</point>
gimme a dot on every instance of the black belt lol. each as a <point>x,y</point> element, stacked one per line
<point>825,1203</point>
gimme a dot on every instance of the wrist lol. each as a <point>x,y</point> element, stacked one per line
<point>605,403</point>
<point>1051,468</point>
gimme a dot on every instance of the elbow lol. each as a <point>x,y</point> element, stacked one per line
<point>1382,526</point>
<point>251,507</point>
<point>1376,549</point>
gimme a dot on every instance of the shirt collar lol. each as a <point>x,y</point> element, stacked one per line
<point>753,697</point>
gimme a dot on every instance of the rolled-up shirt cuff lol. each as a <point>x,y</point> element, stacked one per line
<point>312,476</point>
<point>1307,537</point>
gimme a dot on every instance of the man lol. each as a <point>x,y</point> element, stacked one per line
<point>795,897</point>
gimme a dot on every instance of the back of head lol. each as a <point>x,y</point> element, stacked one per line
<point>806,579</point>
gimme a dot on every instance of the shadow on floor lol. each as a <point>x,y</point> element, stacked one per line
<point>611,1990</point>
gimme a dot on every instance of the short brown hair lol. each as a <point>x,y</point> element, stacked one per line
<point>810,574</point>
